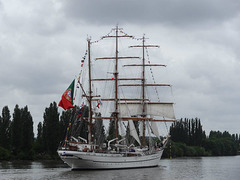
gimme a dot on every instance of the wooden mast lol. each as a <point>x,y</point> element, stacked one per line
<point>143,83</point>
<point>116,58</point>
<point>116,84</point>
<point>90,138</point>
<point>143,92</point>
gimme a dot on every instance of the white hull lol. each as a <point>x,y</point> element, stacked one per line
<point>90,160</point>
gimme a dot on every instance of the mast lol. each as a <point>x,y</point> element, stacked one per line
<point>90,93</point>
<point>143,83</point>
<point>143,91</point>
<point>116,58</point>
<point>116,84</point>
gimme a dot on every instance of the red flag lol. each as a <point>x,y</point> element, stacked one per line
<point>67,97</point>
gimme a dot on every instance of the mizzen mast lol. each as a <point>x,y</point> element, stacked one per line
<point>143,46</point>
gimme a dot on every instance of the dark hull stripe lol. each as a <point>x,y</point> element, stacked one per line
<point>90,169</point>
<point>124,161</point>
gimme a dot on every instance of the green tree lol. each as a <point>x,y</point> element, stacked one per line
<point>40,131</point>
<point>38,145</point>
<point>65,118</point>
<point>220,144</point>
<point>27,130</point>
<point>82,127</point>
<point>22,133</point>
<point>74,122</point>
<point>51,129</point>
<point>111,129</point>
<point>188,131</point>
<point>5,123</point>
<point>16,129</point>
<point>98,130</point>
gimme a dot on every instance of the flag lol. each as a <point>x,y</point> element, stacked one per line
<point>99,102</point>
<point>79,113</point>
<point>67,97</point>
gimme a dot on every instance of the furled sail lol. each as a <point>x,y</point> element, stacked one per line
<point>153,109</point>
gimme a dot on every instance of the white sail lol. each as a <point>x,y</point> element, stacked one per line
<point>155,129</point>
<point>140,128</point>
<point>122,131</point>
<point>130,109</point>
<point>133,131</point>
<point>149,132</point>
<point>153,109</point>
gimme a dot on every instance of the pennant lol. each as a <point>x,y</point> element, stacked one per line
<point>79,113</point>
<point>99,102</point>
<point>67,97</point>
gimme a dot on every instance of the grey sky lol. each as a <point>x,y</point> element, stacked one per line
<point>42,42</point>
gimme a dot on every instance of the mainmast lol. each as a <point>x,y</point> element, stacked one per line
<point>116,113</point>
<point>143,91</point>
<point>115,73</point>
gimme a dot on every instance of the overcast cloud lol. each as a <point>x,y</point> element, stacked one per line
<point>42,42</point>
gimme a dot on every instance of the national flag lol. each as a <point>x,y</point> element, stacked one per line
<point>67,97</point>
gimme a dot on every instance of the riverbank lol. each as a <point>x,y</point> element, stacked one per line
<point>178,149</point>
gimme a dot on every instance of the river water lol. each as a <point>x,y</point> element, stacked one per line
<point>209,168</point>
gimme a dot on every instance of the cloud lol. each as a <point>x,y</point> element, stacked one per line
<point>174,13</point>
<point>42,42</point>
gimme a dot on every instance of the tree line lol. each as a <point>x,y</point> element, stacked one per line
<point>189,139</point>
<point>17,139</point>
<point>16,136</point>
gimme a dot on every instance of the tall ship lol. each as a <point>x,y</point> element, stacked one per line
<point>119,113</point>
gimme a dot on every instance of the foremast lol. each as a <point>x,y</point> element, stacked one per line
<point>90,137</point>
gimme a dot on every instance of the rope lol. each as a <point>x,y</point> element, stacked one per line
<point>148,58</point>
<point>155,88</point>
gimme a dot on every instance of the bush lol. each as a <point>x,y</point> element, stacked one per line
<point>4,154</point>
<point>181,149</point>
<point>25,155</point>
